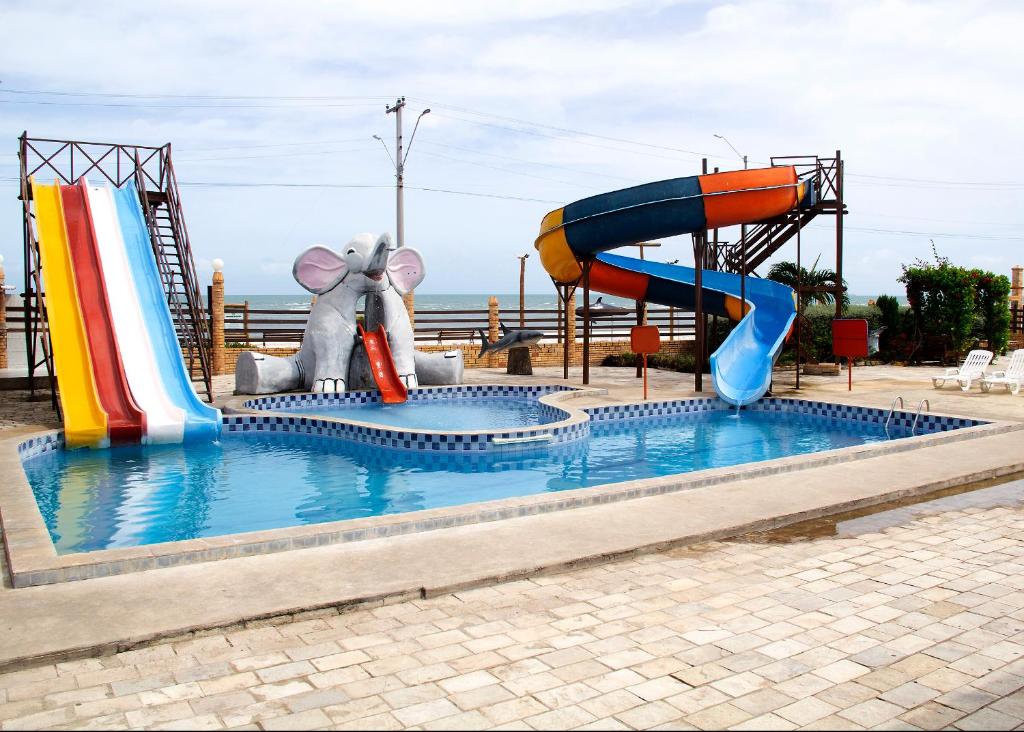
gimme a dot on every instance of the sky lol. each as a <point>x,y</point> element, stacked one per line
<point>271,109</point>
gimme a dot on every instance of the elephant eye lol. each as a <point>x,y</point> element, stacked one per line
<point>351,251</point>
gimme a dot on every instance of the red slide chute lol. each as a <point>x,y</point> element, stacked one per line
<point>125,420</point>
<point>392,390</point>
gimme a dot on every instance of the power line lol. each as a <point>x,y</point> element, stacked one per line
<point>111,95</point>
<point>454,108</point>
<point>184,106</point>
<point>981,185</point>
<point>285,184</point>
<point>531,162</point>
<point>188,159</point>
<point>504,170</point>
<point>570,131</point>
<point>275,144</point>
<point>938,234</point>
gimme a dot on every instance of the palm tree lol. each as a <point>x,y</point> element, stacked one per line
<point>789,274</point>
<point>813,284</point>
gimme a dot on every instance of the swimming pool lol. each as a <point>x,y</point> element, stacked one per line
<point>252,480</point>
<point>452,413</point>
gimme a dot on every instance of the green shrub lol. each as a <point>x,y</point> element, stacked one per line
<point>942,298</point>
<point>954,308</point>
<point>993,303</point>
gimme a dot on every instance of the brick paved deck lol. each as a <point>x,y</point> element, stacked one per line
<point>917,626</point>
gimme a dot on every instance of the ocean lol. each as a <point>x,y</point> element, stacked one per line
<point>442,303</point>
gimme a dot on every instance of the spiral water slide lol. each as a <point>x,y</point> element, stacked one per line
<point>586,230</point>
<point>118,364</point>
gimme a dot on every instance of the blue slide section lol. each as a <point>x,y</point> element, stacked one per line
<point>201,420</point>
<point>741,368</point>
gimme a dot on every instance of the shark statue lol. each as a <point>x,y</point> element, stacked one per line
<point>509,339</point>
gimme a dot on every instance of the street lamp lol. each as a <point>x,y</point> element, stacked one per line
<point>398,160</point>
<point>738,153</point>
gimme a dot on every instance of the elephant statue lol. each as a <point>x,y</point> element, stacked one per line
<point>367,267</point>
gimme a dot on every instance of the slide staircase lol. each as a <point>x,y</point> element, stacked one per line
<point>173,251</point>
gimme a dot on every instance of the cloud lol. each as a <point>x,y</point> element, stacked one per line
<point>913,90</point>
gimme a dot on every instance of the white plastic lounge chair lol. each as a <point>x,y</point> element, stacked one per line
<point>1012,378</point>
<point>971,370</point>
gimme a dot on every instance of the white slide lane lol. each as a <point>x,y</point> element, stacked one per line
<point>164,421</point>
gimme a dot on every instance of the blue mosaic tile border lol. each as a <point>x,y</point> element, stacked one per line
<point>927,423</point>
<point>651,409</point>
<point>40,444</point>
<point>903,420</point>
<point>475,442</point>
<point>304,400</point>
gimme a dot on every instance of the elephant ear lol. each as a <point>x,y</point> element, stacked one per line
<point>318,269</point>
<point>406,270</point>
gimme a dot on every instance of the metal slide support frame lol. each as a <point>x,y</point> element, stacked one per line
<point>799,302</point>
<point>587,263</point>
<point>37,330</point>
<point>564,293</point>
<point>699,246</point>
<point>839,233</point>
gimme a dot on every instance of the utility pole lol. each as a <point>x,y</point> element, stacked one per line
<point>522,289</point>
<point>399,162</point>
<point>399,172</point>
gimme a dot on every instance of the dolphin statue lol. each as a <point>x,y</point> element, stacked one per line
<point>601,309</point>
<point>509,339</point>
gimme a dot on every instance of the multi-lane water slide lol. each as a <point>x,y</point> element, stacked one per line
<point>118,364</point>
<point>586,230</point>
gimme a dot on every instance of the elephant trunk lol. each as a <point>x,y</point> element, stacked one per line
<point>378,261</point>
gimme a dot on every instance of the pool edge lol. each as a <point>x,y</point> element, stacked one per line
<point>32,560</point>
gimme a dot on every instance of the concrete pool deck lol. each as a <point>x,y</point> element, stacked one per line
<point>134,609</point>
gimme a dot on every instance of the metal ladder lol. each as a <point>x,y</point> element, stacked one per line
<point>920,408</point>
<point>892,409</point>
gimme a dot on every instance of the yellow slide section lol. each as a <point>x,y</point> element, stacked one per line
<point>85,422</point>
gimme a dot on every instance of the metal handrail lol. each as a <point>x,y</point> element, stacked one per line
<point>920,407</point>
<point>892,409</point>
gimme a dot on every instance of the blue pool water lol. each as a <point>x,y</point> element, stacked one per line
<point>477,413</point>
<point>127,496</point>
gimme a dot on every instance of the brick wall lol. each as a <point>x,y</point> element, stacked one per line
<point>543,354</point>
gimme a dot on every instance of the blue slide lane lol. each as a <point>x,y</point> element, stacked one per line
<point>741,368</point>
<point>202,422</point>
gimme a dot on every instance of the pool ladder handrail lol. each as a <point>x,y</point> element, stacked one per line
<point>892,409</point>
<point>920,407</point>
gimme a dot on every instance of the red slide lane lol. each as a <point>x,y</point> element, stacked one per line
<point>392,390</point>
<point>126,422</point>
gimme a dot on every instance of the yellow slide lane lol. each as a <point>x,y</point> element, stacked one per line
<point>85,421</point>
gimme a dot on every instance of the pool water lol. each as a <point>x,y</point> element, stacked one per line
<point>457,413</point>
<point>129,496</point>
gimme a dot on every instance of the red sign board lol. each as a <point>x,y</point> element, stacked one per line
<point>850,338</point>
<point>645,339</point>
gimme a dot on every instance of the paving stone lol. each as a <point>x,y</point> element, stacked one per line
<point>966,698</point>
<point>871,713</point>
<point>561,719</point>
<point>910,695</point>
<point>841,671</point>
<point>649,715</point>
<point>987,719</point>
<point>310,719</point>
<point>721,716</point>
<point>932,715</point>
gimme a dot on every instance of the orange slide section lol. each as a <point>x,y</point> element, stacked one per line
<point>392,390</point>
